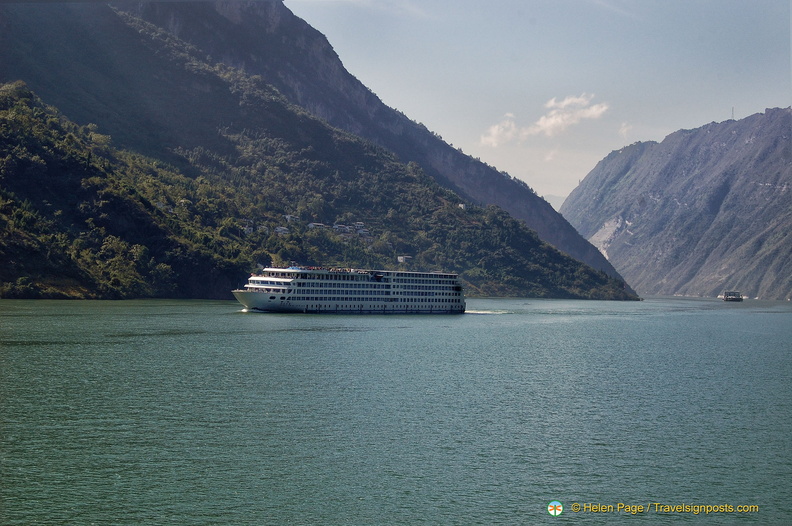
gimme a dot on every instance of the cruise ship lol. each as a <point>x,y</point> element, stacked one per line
<point>315,290</point>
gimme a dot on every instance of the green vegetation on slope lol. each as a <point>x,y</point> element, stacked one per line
<point>79,218</point>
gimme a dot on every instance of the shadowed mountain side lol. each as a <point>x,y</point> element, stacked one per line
<point>79,218</point>
<point>265,38</point>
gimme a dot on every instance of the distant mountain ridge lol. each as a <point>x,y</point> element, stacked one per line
<point>262,38</point>
<point>704,210</point>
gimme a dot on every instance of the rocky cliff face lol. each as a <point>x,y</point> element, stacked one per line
<point>705,210</point>
<point>267,39</point>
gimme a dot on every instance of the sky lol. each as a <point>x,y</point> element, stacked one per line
<point>545,89</point>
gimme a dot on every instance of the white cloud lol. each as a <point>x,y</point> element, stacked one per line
<point>566,113</point>
<point>505,131</point>
<point>551,155</point>
<point>624,129</point>
<point>563,114</point>
<point>582,100</point>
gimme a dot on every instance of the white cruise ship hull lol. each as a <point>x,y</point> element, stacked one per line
<point>352,292</point>
<point>261,302</point>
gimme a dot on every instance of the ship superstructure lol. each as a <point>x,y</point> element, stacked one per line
<point>318,289</point>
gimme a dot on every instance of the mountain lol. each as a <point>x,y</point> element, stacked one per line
<point>82,219</point>
<point>703,211</point>
<point>99,74</point>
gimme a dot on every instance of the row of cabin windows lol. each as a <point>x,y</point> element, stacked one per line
<point>336,277</point>
<point>344,292</point>
<point>379,293</point>
<point>427,281</point>
<point>389,300</point>
<point>412,293</point>
<point>437,280</point>
<point>431,277</point>
<point>377,286</point>
<point>374,286</point>
<point>367,292</point>
<point>428,287</point>
<point>362,275</point>
<point>397,308</point>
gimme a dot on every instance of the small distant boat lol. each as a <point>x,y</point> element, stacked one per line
<point>732,295</point>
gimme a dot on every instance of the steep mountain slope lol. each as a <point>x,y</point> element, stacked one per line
<point>262,38</point>
<point>705,210</point>
<point>79,218</point>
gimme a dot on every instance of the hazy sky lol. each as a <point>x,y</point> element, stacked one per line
<point>544,89</point>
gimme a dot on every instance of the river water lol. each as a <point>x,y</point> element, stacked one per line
<point>194,412</point>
